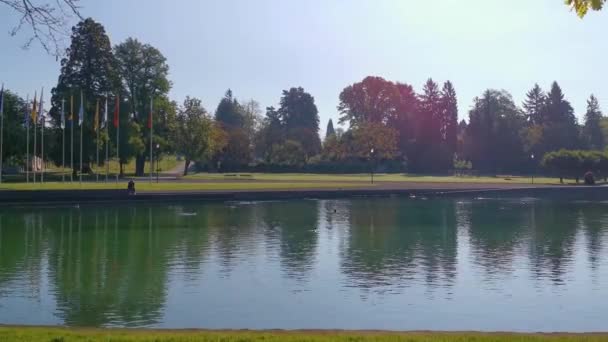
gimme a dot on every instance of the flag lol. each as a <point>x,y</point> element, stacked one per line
<point>81,110</point>
<point>71,117</point>
<point>62,114</point>
<point>40,104</point>
<point>34,114</point>
<point>96,123</point>
<point>104,121</point>
<point>150,116</point>
<point>116,111</point>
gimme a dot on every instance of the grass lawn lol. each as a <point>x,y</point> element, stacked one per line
<point>40,334</point>
<point>143,186</point>
<point>167,163</point>
<point>378,177</point>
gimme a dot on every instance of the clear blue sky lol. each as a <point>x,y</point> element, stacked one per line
<point>258,48</point>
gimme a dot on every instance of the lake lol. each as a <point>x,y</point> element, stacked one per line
<point>377,263</point>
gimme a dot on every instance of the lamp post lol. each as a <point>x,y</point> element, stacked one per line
<point>533,167</point>
<point>157,161</point>
<point>371,153</point>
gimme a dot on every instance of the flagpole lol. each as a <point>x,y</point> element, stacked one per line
<point>81,124</point>
<point>117,118</point>
<point>63,140</point>
<point>27,140</point>
<point>107,138</point>
<point>97,141</point>
<point>72,138</point>
<point>150,125</point>
<point>1,130</point>
<point>35,161</point>
<point>42,136</point>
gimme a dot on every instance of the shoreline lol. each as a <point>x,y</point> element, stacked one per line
<point>567,192</point>
<point>61,333</point>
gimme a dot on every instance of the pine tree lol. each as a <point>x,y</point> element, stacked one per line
<point>330,129</point>
<point>592,128</point>
<point>300,118</point>
<point>560,127</point>
<point>430,113</point>
<point>449,117</point>
<point>89,66</point>
<point>229,112</point>
<point>535,105</point>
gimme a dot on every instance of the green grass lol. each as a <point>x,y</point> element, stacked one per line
<point>378,177</point>
<point>47,334</point>
<point>143,186</point>
<point>167,163</point>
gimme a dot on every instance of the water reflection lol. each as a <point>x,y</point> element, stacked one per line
<point>151,265</point>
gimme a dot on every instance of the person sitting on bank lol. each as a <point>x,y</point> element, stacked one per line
<point>131,187</point>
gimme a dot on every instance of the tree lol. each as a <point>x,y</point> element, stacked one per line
<point>560,126</point>
<point>289,153</point>
<point>372,100</point>
<point>13,152</point>
<point>376,136</point>
<point>144,73</point>
<point>89,67</point>
<point>583,6</point>
<point>196,136</point>
<point>300,118</point>
<point>47,21</point>
<point>449,118</point>
<point>493,133</point>
<point>535,105</point>
<point>592,129</point>
<point>230,116</point>
<point>252,122</point>
<point>404,119</point>
<point>330,131</point>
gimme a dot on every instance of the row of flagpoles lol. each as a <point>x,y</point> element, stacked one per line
<point>37,110</point>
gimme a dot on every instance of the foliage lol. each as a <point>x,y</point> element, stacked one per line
<point>89,69</point>
<point>535,105</point>
<point>592,129</point>
<point>372,100</point>
<point>300,118</point>
<point>144,74</point>
<point>575,163</point>
<point>583,6</point>
<point>290,153</point>
<point>196,136</point>
<point>231,118</point>
<point>330,131</point>
<point>493,133</point>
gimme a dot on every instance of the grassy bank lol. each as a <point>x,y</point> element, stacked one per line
<point>144,186</point>
<point>63,334</point>
<point>365,178</point>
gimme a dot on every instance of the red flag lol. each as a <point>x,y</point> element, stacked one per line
<point>116,112</point>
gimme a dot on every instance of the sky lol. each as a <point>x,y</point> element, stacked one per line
<point>258,48</point>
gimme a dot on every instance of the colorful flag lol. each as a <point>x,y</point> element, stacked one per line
<point>34,114</point>
<point>81,110</point>
<point>96,123</point>
<point>104,122</point>
<point>116,112</point>
<point>40,104</point>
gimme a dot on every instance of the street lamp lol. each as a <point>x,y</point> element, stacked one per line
<point>157,161</point>
<point>371,153</point>
<point>533,167</point>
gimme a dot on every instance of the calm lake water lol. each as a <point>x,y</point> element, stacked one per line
<point>400,264</point>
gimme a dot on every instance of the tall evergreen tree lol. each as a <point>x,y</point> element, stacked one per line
<point>88,67</point>
<point>535,105</point>
<point>330,131</point>
<point>560,126</point>
<point>592,129</point>
<point>230,115</point>
<point>430,114</point>
<point>300,117</point>
<point>449,117</point>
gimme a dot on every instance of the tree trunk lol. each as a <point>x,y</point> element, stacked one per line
<point>121,172</point>
<point>186,166</point>
<point>140,165</point>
